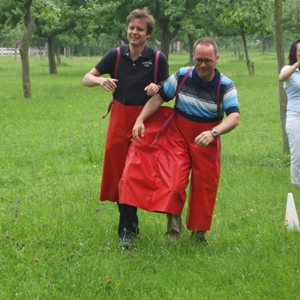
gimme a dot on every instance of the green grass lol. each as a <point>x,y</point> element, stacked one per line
<point>57,241</point>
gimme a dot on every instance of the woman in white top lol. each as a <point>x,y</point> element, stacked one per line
<point>290,75</point>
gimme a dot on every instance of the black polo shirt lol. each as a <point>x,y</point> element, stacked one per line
<point>133,76</point>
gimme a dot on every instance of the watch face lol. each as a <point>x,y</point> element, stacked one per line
<point>214,132</point>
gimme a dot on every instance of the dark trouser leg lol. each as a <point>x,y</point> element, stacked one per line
<point>173,228</point>
<point>129,222</point>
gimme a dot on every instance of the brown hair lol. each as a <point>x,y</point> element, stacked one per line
<point>142,14</point>
<point>207,42</point>
<point>293,53</point>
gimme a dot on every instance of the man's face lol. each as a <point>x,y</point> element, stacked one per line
<point>205,69</point>
<point>137,32</point>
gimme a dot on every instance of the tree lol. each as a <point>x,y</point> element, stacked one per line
<point>25,44</point>
<point>15,13</point>
<point>280,64</point>
<point>249,17</point>
<point>209,23</point>
<point>47,20</point>
<point>56,17</point>
<point>290,23</point>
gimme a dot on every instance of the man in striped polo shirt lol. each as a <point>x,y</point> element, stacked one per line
<point>205,96</point>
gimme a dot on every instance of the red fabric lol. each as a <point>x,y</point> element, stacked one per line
<point>205,174</point>
<point>155,176</point>
<point>118,139</point>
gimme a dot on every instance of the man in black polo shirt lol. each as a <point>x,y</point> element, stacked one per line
<point>133,80</point>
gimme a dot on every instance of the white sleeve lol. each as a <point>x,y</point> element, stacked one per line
<point>287,82</point>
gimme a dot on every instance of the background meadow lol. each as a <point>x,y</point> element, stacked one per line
<point>57,241</point>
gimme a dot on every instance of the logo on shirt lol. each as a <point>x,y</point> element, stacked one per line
<point>147,64</point>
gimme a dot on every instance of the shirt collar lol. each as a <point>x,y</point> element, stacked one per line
<point>214,81</point>
<point>125,51</point>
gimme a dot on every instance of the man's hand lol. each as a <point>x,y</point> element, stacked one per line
<point>109,84</point>
<point>150,107</point>
<point>138,127</point>
<point>151,89</point>
<point>204,138</point>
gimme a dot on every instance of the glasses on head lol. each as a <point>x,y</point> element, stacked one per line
<point>207,61</point>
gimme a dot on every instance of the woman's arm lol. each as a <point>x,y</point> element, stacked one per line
<point>284,75</point>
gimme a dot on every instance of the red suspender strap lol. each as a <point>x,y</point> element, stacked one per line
<point>115,76</point>
<point>177,92</point>
<point>182,82</point>
<point>218,113</point>
<point>117,62</point>
<point>156,66</point>
<point>218,98</point>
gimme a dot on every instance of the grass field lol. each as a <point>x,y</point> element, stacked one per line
<point>57,241</point>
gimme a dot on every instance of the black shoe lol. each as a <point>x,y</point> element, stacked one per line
<point>199,238</point>
<point>126,240</point>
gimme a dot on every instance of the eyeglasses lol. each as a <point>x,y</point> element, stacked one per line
<point>207,61</point>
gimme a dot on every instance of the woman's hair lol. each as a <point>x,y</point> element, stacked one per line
<point>207,42</point>
<point>293,53</point>
<point>142,14</point>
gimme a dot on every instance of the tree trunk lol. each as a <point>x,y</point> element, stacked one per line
<point>166,36</point>
<point>248,61</point>
<point>191,47</point>
<point>263,46</point>
<point>58,60</point>
<point>280,64</point>
<point>25,43</point>
<point>51,55</point>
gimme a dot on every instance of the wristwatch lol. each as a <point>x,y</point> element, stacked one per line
<point>214,132</point>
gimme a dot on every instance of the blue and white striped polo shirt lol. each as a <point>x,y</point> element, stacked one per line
<point>197,100</point>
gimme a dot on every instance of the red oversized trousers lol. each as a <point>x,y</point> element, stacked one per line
<point>205,174</point>
<point>157,168</point>
<point>156,175</point>
<point>118,139</point>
